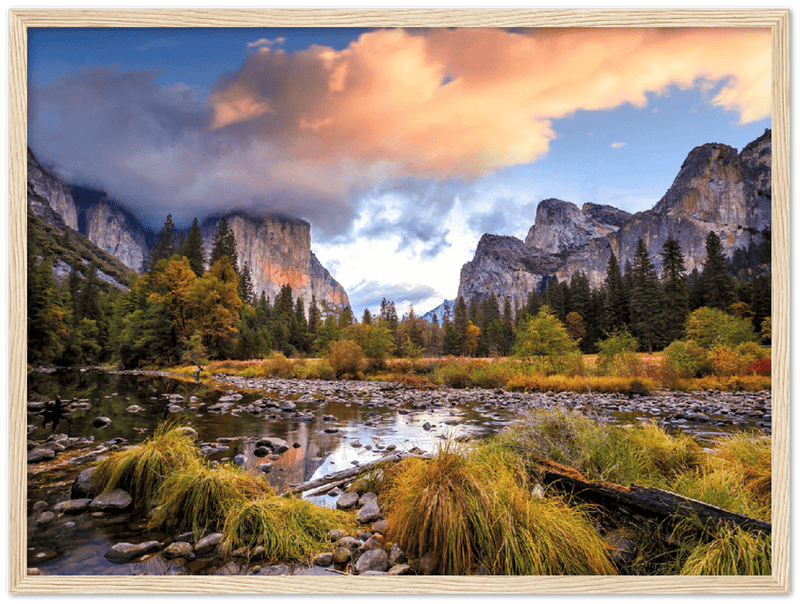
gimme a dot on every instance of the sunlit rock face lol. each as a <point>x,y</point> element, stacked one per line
<point>114,230</point>
<point>277,250</point>
<point>48,197</point>
<point>717,189</point>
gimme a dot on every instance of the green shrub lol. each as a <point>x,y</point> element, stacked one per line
<point>711,327</point>
<point>543,340</point>
<point>345,357</point>
<point>278,366</point>
<point>616,355</point>
<point>685,358</point>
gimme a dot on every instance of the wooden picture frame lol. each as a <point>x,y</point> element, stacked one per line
<point>776,20</point>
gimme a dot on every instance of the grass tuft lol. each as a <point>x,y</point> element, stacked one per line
<point>728,551</point>
<point>140,470</point>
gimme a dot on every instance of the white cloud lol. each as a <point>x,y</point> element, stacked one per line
<point>617,145</point>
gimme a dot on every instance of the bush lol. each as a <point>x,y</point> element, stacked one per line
<point>724,361</point>
<point>544,341</point>
<point>685,358</point>
<point>729,551</point>
<point>345,357</point>
<point>318,369</point>
<point>616,355</point>
<point>711,327</point>
<point>278,366</point>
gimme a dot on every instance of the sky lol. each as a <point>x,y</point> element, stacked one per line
<point>400,147</point>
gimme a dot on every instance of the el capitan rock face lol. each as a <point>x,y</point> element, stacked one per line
<point>717,189</point>
<point>112,229</point>
<point>277,250</point>
<point>48,197</point>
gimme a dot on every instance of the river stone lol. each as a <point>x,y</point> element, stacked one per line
<point>72,506</point>
<point>101,422</point>
<point>111,501</point>
<point>187,537</point>
<point>426,426</point>
<point>349,542</point>
<point>39,505</point>
<point>122,552</point>
<point>240,459</point>
<point>397,556</point>
<point>273,442</point>
<point>347,501</point>
<point>288,406</point>
<point>331,430</point>
<point>426,564</point>
<point>366,498</point>
<point>376,541</point>
<point>261,451</point>
<point>208,544</point>
<point>380,526</point>
<point>341,555</point>
<point>400,569</point>
<point>335,534</point>
<point>278,569</point>
<point>38,455</point>
<point>45,517</point>
<point>265,467</point>
<point>179,549</point>
<point>374,559</point>
<point>231,398</point>
<point>133,409</point>
<point>191,432</point>
<point>323,559</point>
<point>369,513</point>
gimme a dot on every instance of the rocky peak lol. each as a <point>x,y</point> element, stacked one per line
<point>277,250</point>
<point>112,228</point>
<point>561,225</point>
<point>48,197</point>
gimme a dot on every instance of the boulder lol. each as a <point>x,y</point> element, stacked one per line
<point>372,560</point>
<point>178,549</point>
<point>101,422</point>
<point>272,442</point>
<point>207,544</point>
<point>123,552</point>
<point>72,506</point>
<point>369,513</point>
<point>347,501</point>
<point>116,500</point>
<point>341,555</point>
<point>41,454</point>
<point>83,484</point>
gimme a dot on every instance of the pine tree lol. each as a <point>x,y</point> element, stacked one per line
<point>246,285</point>
<point>460,321</point>
<point>165,246</point>
<point>366,319</point>
<point>225,245</point>
<point>718,284</point>
<point>644,299</point>
<point>193,249</point>
<point>616,304</point>
<point>675,290</point>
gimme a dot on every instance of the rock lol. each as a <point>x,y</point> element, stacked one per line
<point>275,444</point>
<point>324,559</point>
<point>178,549</point>
<point>278,569</point>
<point>187,537</point>
<point>375,559</point>
<point>265,467</point>
<point>341,555</point>
<point>189,431</point>
<point>72,506</point>
<point>230,398</point>
<point>208,544</point>
<point>400,569</point>
<point>83,484</point>
<point>369,513</point>
<point>366,498</point>
<point>101,422</point>
<point>39,505</point>
<point>174,409</point>
<point>45,517</point>
<point>288,406</point>
<point>380,526</point>
<point>116,500</point>
<point>356,444</point>
<point>261,451</point>
<point>426,426</point>
<point>331,430</point>
<point>347,501</point>
<point>349,542</point>
<point>35,572</point>
<point>375,541</point>
<point>396,556</point>
<point>240,459</point>
<point>426,564</point>
<point>123,552</point>
<point>335,534</point>
<point>133,409</point>
<point>37,455</point>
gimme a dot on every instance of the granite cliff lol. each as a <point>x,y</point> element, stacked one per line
<point>48,197</point>
<point>716,189</point>
<point>277,250</point>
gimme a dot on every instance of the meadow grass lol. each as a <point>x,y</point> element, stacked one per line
<point>474,508</point>
<point>720,550</point>
<point>140,470</point>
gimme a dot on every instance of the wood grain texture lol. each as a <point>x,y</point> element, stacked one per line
<point>777,20</point>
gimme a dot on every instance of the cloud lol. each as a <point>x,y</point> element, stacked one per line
<point>369,294</point>
<point>617,145</point>
<point>265,42</point>
<point>312,133</point>
<point>159,43</point>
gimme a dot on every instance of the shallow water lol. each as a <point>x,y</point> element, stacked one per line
<point>368,427</point>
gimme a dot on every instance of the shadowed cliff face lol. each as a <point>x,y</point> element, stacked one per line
<point>108,227</point>
<point>717,189</point>
<point>278,252</point>
<point>48,197</point>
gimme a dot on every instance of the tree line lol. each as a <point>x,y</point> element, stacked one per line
<point>186,308</point>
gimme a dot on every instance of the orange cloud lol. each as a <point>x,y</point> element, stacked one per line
<point>466,102</point>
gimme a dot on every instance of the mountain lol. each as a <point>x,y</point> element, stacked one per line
<point>716,189</point>
<point>439,312</point>
<point>277,250</point>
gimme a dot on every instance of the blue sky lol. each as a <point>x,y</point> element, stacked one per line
<point>401,148</point>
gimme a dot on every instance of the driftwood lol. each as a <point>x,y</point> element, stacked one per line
<point>650,502</point>
<point>343,475</point>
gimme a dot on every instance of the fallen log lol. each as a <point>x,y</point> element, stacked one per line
<point>343,475</point>
<point>650,502</point>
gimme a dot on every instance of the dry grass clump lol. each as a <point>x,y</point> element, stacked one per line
<point>197,497</point>
<point>288,529</point>
<point>470,509</point>
<point>140,470</point>
<point>723,550</point>
<point>644,454</point>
